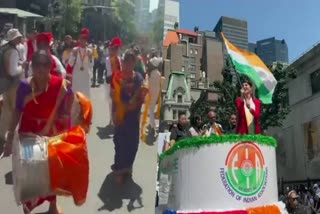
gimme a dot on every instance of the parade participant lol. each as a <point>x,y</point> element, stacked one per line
<point>31,44</point>
<point>248,109</point>
<point>44,40</point>
<point>197,126</point>
<point>11,71</point>
<point>52,98</point>
<point>213,128</point>
<point>231,126</point>
<point>139,66</point>
<point>81,61</point>
<point>154,78</point>
<point>128,96</point>
<point>113,64</point>
<point>67,48</point>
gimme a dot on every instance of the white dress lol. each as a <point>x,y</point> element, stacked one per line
<point>81,77</point>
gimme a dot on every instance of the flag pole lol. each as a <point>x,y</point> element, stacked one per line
<point>230,61</point>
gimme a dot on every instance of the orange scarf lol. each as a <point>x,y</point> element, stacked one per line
<point>217,129</point>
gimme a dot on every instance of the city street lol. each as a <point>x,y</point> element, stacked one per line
<point>136,196</point>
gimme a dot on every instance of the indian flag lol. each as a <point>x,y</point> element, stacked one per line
<point>250,65</point>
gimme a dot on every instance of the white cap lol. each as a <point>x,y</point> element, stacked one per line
<point>13,34</point>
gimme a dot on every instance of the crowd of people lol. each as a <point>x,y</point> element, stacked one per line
<point>39,78</point>
<point>301,199</point>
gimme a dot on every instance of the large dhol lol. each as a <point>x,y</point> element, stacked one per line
<point>30,168</point>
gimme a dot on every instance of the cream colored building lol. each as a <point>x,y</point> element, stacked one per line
<point>298,152</point>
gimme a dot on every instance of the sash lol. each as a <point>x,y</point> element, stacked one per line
<point>50,122</point>
<point>215,129</point>
<point>249,116</point>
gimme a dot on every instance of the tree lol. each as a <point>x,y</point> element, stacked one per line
<point>272,115</point>
<point>70,12</point>
<point>124,25</point>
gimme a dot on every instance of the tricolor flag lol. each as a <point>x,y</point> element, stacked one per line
<point>250,65</point>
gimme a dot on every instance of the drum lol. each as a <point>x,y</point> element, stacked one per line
<point>30,168</point>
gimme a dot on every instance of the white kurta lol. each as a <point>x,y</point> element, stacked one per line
<point>154,87</point>
<point>81,78</point>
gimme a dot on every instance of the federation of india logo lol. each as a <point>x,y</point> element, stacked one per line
<point>245,168</point>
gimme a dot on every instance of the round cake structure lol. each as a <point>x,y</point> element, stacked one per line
<point>221,173</point>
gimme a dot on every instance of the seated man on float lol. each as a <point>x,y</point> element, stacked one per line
<point>180,132</point>
<point>213,128</point>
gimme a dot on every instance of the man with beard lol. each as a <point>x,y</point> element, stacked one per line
<point>231,129</point>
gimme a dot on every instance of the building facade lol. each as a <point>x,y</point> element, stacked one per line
<point>298,151</point>
<point>252,47</point>
<point>235,30</point>
<point>199,57</point>
<point>171,13</point>
<point>177,98</point>
<point>212,57</point>
<point>34,6</point>
<point>142,15</point>
<point>22,14</point>
<point>272,50</point>
<point>184,54</point>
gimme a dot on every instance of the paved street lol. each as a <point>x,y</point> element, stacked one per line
<point>103,195</point>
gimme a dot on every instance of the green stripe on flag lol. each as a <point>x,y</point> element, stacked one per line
<point>264,94</point>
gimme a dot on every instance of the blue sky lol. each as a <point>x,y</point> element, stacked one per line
<point>296,21</point>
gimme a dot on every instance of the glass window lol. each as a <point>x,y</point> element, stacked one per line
<point>191,51</point>
<point>174,114</point>
<point>195,51</point>
<point>179,98</point>
<point>192,76</point>
<point>315,79</point>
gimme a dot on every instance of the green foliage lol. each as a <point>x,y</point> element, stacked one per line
<point>70,11</point>
<point>124,25</point>
<point>228,89</point>
<point>272,115</point>
<point>196,142</point>
<point>200,107</point>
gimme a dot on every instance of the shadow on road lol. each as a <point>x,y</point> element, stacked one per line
<point>112,195</point>
<point>8,178</point>
<point>105,132</point>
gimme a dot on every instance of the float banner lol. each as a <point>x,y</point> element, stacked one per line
<point>222,176</point>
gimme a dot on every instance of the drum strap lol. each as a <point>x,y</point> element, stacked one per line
<point>49,125</point>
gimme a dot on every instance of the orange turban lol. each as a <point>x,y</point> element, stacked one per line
<point>84,33</point>
<point>45,37</point>
<point>116,42</point>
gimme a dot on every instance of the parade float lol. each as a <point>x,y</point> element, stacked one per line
<point>222,174</point>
